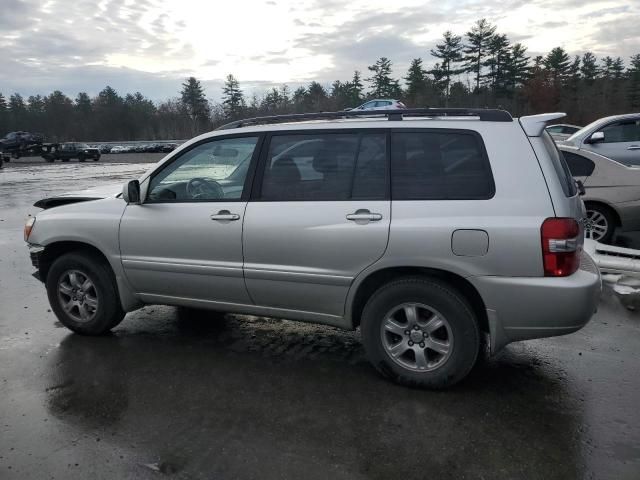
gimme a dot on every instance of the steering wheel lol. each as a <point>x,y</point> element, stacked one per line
<point>200,187</point>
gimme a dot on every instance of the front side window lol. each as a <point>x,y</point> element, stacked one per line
<point>327,166</point>
<point>212,171</point>
<point>625,131</point>
<point>439,166</point>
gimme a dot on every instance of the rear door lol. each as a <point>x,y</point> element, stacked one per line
<point>319,215</point>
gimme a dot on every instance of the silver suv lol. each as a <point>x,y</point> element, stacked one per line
<point>437,232</point>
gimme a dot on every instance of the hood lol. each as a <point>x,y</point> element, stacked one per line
<point>95,193</point>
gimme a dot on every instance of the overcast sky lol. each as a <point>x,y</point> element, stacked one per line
<point>151,45</point>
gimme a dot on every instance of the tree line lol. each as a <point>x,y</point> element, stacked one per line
<point>480,69</point>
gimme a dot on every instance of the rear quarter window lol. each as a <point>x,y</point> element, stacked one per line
<point>560,166</point>
<point>439,165</point>
<point>578,165</point>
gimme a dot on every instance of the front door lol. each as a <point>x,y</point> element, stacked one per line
<point>621,142</point>
<point>319,215</point>
<point>185,240</point>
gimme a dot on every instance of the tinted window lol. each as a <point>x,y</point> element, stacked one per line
<point>325,166</point>
<point>211,171</point>
<point>560,166</point>
<point>439,166</point>
<point>625,131</point>
<point>578,165</point>
<point>557,129</point>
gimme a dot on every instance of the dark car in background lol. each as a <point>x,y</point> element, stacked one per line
<point>69,151</point>
<point>20,141</point>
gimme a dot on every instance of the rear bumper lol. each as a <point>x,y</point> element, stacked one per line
<point>522,308</point>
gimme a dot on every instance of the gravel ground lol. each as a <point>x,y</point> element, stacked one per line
<point>243,397</point>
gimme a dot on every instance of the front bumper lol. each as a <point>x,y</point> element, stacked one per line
<point>35,253</point>
<point>522,308</point>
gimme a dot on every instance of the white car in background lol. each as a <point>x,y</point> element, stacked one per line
<point>562,131</point>
<point>119,149</point>
<point>381,104</point>
<point>612,192</point>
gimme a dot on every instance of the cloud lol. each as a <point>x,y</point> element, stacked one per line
<point>150,45</point>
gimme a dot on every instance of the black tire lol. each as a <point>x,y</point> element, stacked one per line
<point>108,312</point>
<point>81,158</point>
<point>48,159</point>
<point>95,159</point>
<point>599,216</point>
<point>462,332</point>
<point>64,160</point>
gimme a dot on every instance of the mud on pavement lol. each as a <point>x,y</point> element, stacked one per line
<point>215,396</point>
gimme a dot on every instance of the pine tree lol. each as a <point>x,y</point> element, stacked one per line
<point>589,68</point>
<point>195,104</point>
<point>633,73</point>
<point>316,97</point>
<point>382,85</point>
<point>416,81</point>
<point>475,51</point>
<point>4,115</point>
<point>557,64</point>
<point>498,55</point>
<point>18,112</point>
<point>355,89</point>
<point>450,53</point>
<point>517,68</point>
<point>232,98</point>
<point>607,67</point>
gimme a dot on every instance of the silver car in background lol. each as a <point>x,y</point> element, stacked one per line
<point>562,131</point>
<point>381,104</point>
<point>612,192</point>
<point>616,137</point>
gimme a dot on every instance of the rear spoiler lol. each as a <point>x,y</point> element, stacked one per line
<point>534,125</point>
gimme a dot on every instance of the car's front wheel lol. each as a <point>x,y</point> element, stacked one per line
<point>83,294</point>
<point>420,332</point>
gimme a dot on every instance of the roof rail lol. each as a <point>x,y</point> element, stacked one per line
<point>485,115</point>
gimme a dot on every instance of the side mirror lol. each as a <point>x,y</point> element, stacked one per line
<point>580,186</point>
<point>596,137</point>
<point>131,192</point>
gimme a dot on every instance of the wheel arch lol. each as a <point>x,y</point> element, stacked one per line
<point>374,280</point>
<point>54,250</point>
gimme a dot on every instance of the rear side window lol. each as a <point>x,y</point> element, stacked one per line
<point>439,165</point>
<point>560,166</point>
<point>325,166</point>
<point>578,165</point>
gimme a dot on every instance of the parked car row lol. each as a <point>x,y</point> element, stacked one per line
<point>138,148</point>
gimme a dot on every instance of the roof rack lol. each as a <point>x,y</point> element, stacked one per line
<point>485,115</point>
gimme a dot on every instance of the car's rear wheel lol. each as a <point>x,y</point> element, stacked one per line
<point>81,158</point>
<point>420,332</point>
<point>83,294</point>
<point>599,223</point>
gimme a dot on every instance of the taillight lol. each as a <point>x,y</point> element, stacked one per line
<point>561,246</point>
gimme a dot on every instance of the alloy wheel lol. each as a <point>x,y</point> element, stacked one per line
<point>417,337</point>
<point>596,225</point>
<point>78,295</point>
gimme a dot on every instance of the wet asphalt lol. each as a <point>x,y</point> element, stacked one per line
<point>172,394</point>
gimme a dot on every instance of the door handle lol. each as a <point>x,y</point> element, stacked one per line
<point>633,147</point>
<point>225,215</point>
<point>365,215</point>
